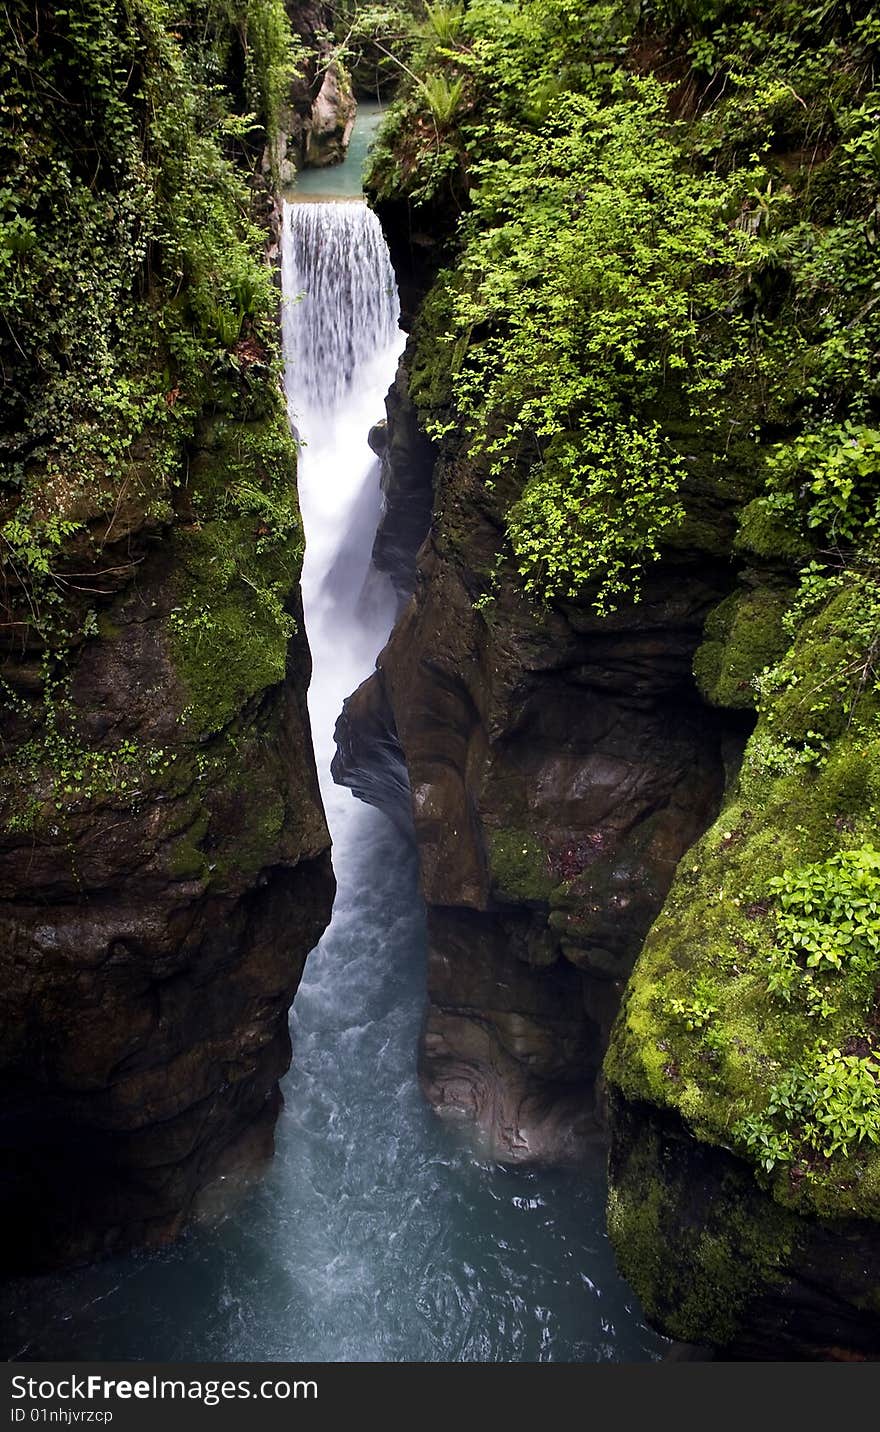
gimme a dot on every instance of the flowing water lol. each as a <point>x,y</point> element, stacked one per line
<point>377,1234</point>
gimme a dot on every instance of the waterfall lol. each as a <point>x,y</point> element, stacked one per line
<point>341,346</point>
<point>334,256</point>
<point>375,1235</point>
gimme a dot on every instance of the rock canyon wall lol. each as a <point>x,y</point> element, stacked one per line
<point>164,859</point>
<point>607,806</point>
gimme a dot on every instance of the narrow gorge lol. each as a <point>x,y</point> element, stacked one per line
<point>376,1234</point>
<point>466,467</point>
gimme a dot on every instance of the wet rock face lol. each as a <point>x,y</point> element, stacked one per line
<point>559,767</point>
<point>152,936</point>
<point>369,757</point>
<point>321,106</point>
<point>407,485</point>
<point>507,1049</point>
<point>332,119</point>
<point>748,1277</point>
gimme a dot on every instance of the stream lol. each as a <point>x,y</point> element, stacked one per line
<point>378,1233</point>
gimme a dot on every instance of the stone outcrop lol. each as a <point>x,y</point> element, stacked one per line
<point>319,115</point>
<point>163,875</point>
<point>559,765</point>
<point>164,859</point>
<point>332,119</point>
<point>407,486</point>
<point>735,1218</point>
<point>716,1261</point>
<point>369,758</point>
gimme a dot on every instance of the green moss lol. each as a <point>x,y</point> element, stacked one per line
<point>798,801</point>
<point>187,859</point>
<point>519,866</point>
<point>237,563</point>
<point>729,1243</point>
<point>259,835</point>
<point>435,357</point>
<point>743,635</point>
<point>811,693</point>
<point>763,533</point>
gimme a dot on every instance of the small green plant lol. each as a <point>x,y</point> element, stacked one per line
<point>54,773</point>
<point>827,1106</point>
<point>817,586</point>
<point>696,1014</point>
<point>829,913</point>
<point>443,22</point>
<point>832,475</point>
<point>443,96</point>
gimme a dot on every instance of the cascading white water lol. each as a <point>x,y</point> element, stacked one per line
<point>341,345</point>
<point>375,1235</point>
<point>341,311</point>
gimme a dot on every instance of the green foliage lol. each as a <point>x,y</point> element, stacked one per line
<point>830,912</point>
<point>375,41</point>
<point>774,916</point>
<point>272,55</point>
<point>590,268</point>
<point>816,586</point>
<point>137,307</point>
<point>231,627</point>
<point>132,270</point>
<point>831,476</point>
<point>696,1014</point>
<point>617,269</point>
<point>443,96</point>
<point>31,543</point>
<point>54,773</point>
<point>594,513</point>
<point>444,22</point>
<point>827,1106</point>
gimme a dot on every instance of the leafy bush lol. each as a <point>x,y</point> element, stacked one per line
<point>590,267</point>
<point>444,22</point>
<point>594,511</point>
<point>833,475</point>
<point>829,914</point>
<point>130,266</point>
<point>696,1014</point>
<point>611,256</point>
<point>827,1106</point>
<point>137,309</point>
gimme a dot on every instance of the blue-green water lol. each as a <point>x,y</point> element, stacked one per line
<point>378,1233</point>
<point>343,181</point>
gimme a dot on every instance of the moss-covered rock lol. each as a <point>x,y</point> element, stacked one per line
<point>569,393</point>
<point>519,867</point>
<point>164,865</point>
<point>231,625</point>
<point>716,1261</point>
<point>765,535</point>
<point>726,1023</point>
<point>743,635</point>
